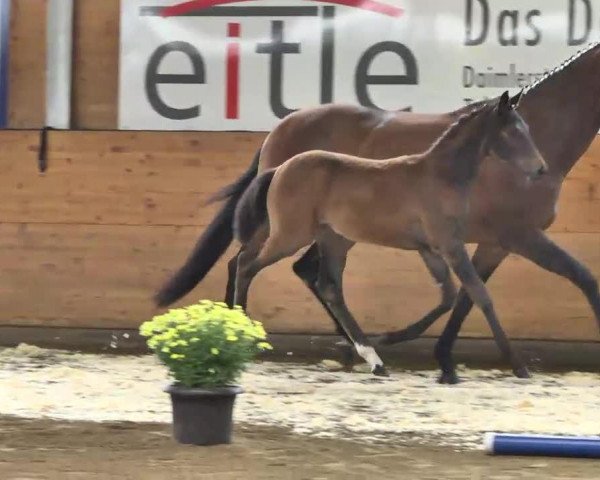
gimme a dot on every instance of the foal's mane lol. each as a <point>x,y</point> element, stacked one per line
<point>566,63</point>
<point>453,131</point>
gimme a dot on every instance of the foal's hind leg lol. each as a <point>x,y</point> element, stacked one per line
<point>333,249</point>
<point>465,271</point>
<point>307,268</point>
<point>438,268</point>
<point>231,274</point>
<point>254,257</point>
<point>245,271</point>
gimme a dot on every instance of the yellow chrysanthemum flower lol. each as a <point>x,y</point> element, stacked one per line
<point>187,340</point>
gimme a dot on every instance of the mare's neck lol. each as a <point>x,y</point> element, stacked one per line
<point>563,111</point>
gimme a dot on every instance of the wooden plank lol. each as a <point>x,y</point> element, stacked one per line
<point>103,276</point>
<point>95,64</point>
<point>121,177</point>
<point>27,64</point>
<point>151,178</point>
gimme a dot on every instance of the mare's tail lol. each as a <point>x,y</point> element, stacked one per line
<point>211,245</point>
<point>251,211</point>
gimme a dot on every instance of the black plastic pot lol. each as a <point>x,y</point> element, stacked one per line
<point>202,416</point>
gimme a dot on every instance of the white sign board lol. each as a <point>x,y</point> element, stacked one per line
<point>4,50</point>
<point>244,65</point>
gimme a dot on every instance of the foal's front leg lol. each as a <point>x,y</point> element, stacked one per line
<point>463,268</point>
<point>486,259</point>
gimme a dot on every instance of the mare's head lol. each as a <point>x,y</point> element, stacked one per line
<point>509,138</point>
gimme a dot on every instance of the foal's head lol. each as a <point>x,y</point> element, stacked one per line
<point>509,138</point>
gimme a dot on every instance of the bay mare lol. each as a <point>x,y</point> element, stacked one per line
<point>412,202</point>
<point>563,113</point>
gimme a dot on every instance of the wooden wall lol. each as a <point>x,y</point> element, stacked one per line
<point>27,64</point>
<point>95,64</point>
<point>87,243</point>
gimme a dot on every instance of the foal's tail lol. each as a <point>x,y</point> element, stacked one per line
<point>251,211</point>
<point>211,245</point>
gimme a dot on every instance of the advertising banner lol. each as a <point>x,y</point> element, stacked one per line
<point>244,65</point>
<point>4,49</point>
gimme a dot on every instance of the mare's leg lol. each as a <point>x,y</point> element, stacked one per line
<point>538,248</point>
<point>486,260</point>
<point>307,268</point>
<point>438,268</point>
<point>465,271</point>
<point>333,249</point>
<point>231,273</point>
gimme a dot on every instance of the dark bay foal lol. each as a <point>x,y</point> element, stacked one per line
<point>414,202</point>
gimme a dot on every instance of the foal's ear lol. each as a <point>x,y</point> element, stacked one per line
<point>514,101</point>
<point>504,103</point>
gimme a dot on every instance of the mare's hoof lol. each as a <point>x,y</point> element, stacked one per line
<point>380,371</point>
<point>522,372</point>
<point>384,340</point>
<point>448,378</point>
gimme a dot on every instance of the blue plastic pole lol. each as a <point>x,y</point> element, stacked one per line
<point>543,445</point>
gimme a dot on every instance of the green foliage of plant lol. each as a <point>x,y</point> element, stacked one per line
<point>206,344</point>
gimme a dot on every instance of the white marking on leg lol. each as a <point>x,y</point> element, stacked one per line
<point>369,354</point>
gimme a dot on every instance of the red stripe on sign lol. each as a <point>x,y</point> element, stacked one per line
<point>233,73</point>
<point>193,5</point>
<point>233,29</point>
<point>370,5</point>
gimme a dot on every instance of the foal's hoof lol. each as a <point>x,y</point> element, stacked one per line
<point>380,371</point>
<point>448,378</point>
<point>522,372</point>
<point>346,354</point>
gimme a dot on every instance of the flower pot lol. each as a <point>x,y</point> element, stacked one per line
<point>202,416</point>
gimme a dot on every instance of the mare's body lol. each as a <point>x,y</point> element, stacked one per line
<point>507,213</point>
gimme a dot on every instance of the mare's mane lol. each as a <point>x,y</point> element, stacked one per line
<point>566,63</point>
